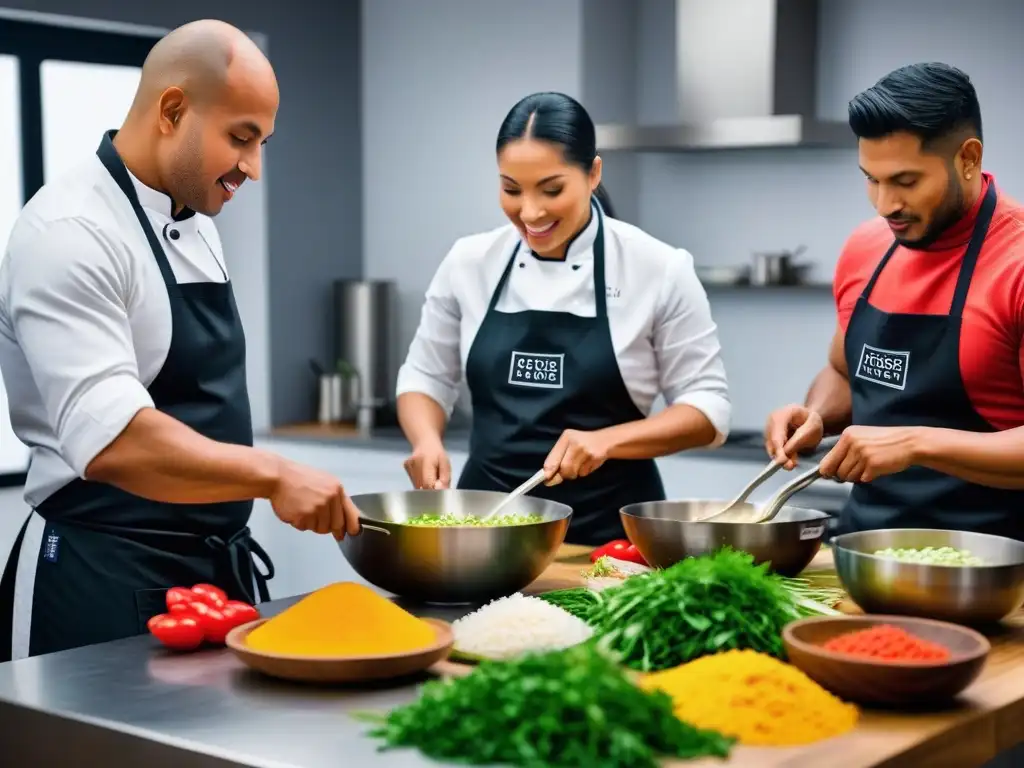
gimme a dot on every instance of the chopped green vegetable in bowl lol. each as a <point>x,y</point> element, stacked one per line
<point>931,555</point>
<point>561,709</point>
<point>449,520</point>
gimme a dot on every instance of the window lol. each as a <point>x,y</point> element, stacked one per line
<point>60,55</point>
<point>91,97</point>
<point>13,453</point>
<point>60,88</point>
<point>10,148</point>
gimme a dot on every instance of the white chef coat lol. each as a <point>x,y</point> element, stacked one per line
<point>85,320</point>
<point>661,326</point>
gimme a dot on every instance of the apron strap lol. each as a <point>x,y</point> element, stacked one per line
<point>240,546</point>
<point>111,160</point>
<point>503,279</point>
<point>970,260</point>
<point>866,293</point>
<point>967,265</point>
<point>600,291</point>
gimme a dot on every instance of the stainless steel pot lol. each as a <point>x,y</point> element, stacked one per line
<point>458,564</point>
<point>961,594</point>
<point>666,532</point>
<point>778,268</point>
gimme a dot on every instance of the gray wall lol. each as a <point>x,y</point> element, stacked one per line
<point>429,124</point>
<point>438,77</point>
<point>725,205</point>
<point>283,271</point>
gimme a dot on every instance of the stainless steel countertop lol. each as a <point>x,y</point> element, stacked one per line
<point>130,702</point>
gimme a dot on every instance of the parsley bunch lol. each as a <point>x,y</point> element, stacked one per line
<point>554,710</point>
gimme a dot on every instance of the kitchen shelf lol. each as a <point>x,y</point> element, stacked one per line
<point>731,287</point>
<point>315,429</point>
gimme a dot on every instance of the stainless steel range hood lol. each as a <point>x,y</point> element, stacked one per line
<point>745,77</point>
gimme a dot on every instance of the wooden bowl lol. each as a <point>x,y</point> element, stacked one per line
<point>869,681</point>
<point>340,669</point>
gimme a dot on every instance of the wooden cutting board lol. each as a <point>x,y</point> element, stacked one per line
<point>985,721</point>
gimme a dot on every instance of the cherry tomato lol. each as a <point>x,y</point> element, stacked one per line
<point>620,549</point>
<point>180,632</point>
<point>238,613</point>
<point>179,596</point>
<point>213,596</point>
<point>180,608</point>
<point>214,623</point>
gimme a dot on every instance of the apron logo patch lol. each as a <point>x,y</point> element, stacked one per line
<point>883,366</point>
<point>51,547</point>
<point>536,369</point>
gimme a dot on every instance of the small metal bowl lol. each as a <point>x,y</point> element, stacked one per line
<point>960,594</point>
<point>453,565</point>
<point>666,532</point>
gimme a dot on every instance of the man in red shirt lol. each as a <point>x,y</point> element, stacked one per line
<point>924,374</point>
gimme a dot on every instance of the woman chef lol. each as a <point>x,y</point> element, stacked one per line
<point>566,325</point>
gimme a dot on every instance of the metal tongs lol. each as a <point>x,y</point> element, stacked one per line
<point>752,514</point>
<point>765,473</point>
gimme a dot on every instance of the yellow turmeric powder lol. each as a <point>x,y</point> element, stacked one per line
<point>756,698</point>
<point>341,620</point>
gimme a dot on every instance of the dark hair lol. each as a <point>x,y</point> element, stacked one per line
<point>562,120</point>
<point>932,101</point>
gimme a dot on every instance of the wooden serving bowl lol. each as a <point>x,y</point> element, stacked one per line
<point>886,683</point>
<point>340,669</point>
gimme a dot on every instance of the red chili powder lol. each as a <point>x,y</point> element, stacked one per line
<point>885,642</point>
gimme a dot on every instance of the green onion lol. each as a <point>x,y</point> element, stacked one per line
<point>699,606</point>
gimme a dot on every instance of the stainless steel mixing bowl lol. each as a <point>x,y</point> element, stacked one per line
<point>960,594</point>
<point>666,532</point>
<point>457,564</point>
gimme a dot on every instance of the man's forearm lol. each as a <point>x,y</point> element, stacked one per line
<point>994,459</point>
<point>159,458</point>
<point>829,397</point>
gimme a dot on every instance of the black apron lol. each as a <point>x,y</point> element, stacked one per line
<point>905,371</point>
<point>534,374</point>
<point>107,557</point>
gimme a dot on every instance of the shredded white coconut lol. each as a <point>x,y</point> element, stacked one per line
<point>513,625</point>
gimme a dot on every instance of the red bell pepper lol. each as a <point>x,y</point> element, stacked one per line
<point>620,549</point>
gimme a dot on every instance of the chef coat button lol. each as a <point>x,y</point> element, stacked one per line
<point>175,234</point>
<point>521,264</point>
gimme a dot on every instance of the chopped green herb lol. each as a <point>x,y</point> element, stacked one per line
<point>601,567</point>
<point>699,606</point>
<point>563,709</point>
<point>580,602</point>
<point>449,520</point>
<point>931,555</point>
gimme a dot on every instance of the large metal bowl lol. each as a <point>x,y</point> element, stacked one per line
<point>960,594</point>
<point>666,532</point>
<point>453,564</point>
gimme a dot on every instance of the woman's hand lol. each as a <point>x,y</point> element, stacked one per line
<point>428,467</point>
<point>576,454</point>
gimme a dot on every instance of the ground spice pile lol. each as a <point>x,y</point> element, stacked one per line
<point>753,697</point>
<point>342,620</point>
<point>885,642</point>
